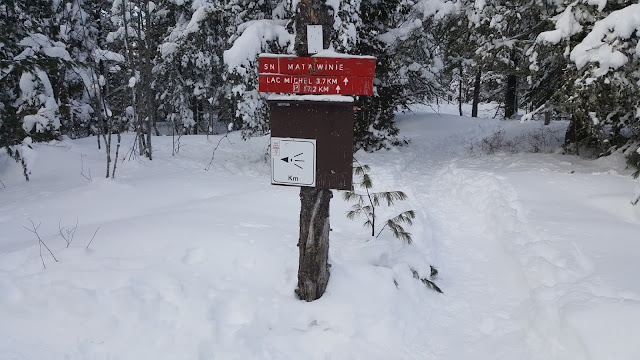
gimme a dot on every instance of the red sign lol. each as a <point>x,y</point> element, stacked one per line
<point>318,66</point>
<point>327,85</point>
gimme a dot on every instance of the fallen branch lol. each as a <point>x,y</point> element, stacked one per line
<point>131,154</point>
<point>216,148</point>
<point>70,233</point>
<point>40,242</point>
<point>82,168</point>
<point>94,235</point>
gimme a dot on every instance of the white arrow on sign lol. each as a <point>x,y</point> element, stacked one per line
<point>338,88</point>
<point>346,81</point>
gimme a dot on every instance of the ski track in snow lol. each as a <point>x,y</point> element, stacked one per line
<point>194,264</point>
<point>522,286</point>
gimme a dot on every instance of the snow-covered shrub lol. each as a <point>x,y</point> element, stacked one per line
<point>495,143</point>
<point>543,139</point>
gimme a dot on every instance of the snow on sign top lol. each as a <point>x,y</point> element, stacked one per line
<point>323,53</point>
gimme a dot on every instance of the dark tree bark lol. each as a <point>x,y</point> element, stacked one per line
<point>547,117</point>
<point>510,100</point>
<point>312,12</point>
<point>510,96</point>
<point>476,93</point>
<point>313,244</point>
<point>313,268</point>
<point>460,90</point>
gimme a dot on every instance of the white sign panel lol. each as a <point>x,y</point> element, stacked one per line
<point>293,161</point>
<point>314,39</point>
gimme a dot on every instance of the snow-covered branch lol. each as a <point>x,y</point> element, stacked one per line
<point>254,39</point>
<point>607,41</point>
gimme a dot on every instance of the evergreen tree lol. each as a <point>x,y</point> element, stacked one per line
<point>503,32</point>
<point>251,18</point>
<point>31,58</point>
<point>400,35</point>
<point>191,88</point>
<point>600,58</point>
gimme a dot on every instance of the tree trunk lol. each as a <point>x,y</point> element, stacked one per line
<point>131,72</point>
<point>460,90</point>
<point>476,93</point>
<point>547,117</point>
<point>312,12</point>
<point>510,97</point>
<point>510,100</point>
<point>313,244</point>
<point>313,268</point>
<point>115,162</point>
<point>147,86</point>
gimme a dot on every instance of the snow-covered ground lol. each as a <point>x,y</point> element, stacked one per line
<point>537,255</point>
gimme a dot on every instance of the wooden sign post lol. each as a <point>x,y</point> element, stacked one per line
<point>312,141</point>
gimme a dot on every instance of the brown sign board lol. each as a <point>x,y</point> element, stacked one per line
<point>331,125</point>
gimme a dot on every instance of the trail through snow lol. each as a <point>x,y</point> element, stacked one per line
<point>521,257</point>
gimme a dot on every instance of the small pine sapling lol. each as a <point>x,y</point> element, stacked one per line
<point>367,203</point>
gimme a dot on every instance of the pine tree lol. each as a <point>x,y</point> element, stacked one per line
<point>250,109</point>
<point>398,34</point>
<point>31,57</point>
<point>503,31</point>
<point>192,90</point>
<point>600,79</point>
<point>368,201</point>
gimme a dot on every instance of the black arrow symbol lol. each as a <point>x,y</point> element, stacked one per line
<point>287,160</point>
